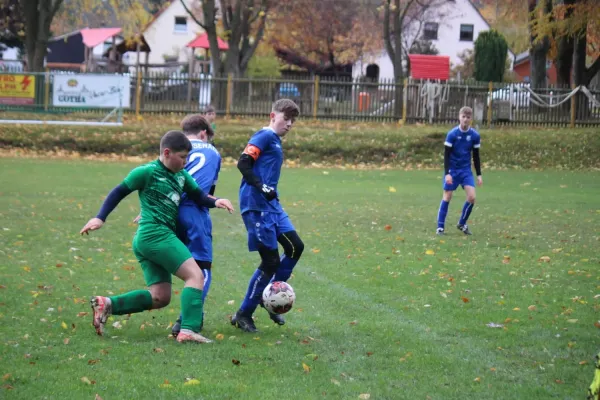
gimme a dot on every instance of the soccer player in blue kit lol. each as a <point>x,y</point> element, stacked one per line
<point>265,220</point>
<point>194,226</point>
<point>461,142</point>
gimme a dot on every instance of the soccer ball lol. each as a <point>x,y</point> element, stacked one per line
<point>278,297</point>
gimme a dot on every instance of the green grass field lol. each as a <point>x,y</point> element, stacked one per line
<point>385,309</point>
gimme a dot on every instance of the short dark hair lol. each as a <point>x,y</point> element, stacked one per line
<point>209,109</point>
<point>176,141</point>
<point>194,124</point>
<point>287,107</point>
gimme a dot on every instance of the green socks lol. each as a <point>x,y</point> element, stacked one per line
<point>131,302</point>
<point>191,309</point>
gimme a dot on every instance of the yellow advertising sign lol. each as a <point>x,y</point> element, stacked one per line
<point>17,89</point>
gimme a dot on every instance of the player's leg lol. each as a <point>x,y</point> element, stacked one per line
<point>262,238</point>
<point>468,183</point>
<point>446,197</point>
<point>191,302</point>
<point>136,300</point>
<point>195,228</point>
<point>292,247</point>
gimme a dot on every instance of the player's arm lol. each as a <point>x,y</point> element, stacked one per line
<point>246,167</point>
<point>477,161</point>
<point>202,199</point>
<point>447,153</point>
<point>134,181</point>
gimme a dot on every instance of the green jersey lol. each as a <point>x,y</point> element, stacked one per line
<point>160,192</point>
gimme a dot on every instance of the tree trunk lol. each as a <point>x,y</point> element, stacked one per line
<point>538,51</point>
<point>580,75</point>
<point>38,18</point>
<point>564,57</point>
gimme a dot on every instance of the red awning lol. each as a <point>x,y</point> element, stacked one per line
<point>94,37</point>
<point>201,42</point>
<point>429,67</point>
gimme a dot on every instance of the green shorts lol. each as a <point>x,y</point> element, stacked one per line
<point>159,252</point>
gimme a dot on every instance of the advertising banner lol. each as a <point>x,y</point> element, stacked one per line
<point>17,89</point>
<point>89,90</point>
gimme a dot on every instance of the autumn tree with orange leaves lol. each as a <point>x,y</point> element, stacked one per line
<point>323,35</point>
<point>572,29</point>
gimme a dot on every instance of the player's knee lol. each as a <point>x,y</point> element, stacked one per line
<point>447,195</point>
<point>160,299</point>
<point>471,198</point>
<point>292,244</point>
<point>269,260</point>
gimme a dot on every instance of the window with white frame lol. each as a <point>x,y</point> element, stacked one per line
<point>430,31</point>
<point>181,25</point>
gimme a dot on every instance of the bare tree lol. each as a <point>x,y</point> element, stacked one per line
<point>243,23</point>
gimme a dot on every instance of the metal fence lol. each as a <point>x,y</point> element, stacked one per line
<point>361,100</point>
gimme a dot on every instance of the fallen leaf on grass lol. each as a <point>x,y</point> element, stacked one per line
<point>220,336</point>
<point>583,362</point>
<point>86,380</point>
<point>544,259</point>
<point>387,227</point>
<point>392,189</point>
<point>572,321</point>
<point>429,252</point>
<point>335,382</point>
<point>235,362</point>
<point>5,377</point>
<point>82,314</point>
<point>597,324</point>
<point>531,308</point>
<point>364,396</point>
<point>306,368</point>
<point>63,325</point>
<point>191,382</point>
<point>66,340</point>
<point>478,379</point>
<point>464,299</point>
<point>165,385</point>
<point>158,350</point>
<point>97,397</point>
<point>316,251</point>
<point>558,381</point>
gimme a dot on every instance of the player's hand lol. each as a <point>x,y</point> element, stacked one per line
<point>226,204</point>
<point>268,192</point>
<point>448,179</point>
<point>92,225</point>
<point>137,219</point>
<point>479,180</point>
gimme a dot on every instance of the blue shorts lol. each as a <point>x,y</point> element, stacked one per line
<point>265,228</point>
<point>194,228</point>
<point>463,177</point>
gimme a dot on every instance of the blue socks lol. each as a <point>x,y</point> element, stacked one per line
<point>257,285</point>
<point>285,269</point>
<point>442,213</point>
<point>466,211</point>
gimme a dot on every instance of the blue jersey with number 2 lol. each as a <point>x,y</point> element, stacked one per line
<point>203,164</point>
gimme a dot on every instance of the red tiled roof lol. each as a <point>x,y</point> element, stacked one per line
<point>93,37</point>
<point>201,41</point>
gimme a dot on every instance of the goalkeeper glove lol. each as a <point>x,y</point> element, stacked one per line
<point>268,192</point>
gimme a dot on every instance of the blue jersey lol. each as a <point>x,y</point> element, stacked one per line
<point>203,164</point>
<point>462,143</point>
<point>265,147</point>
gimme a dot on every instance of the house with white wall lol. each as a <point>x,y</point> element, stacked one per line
<point>168,33</point>
<point>452,26</point>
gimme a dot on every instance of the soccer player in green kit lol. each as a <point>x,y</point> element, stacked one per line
<point>160,253</point>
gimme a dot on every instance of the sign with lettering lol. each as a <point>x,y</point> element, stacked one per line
<point>17,89</point>
<point>91,90</point>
